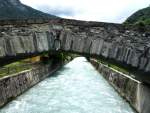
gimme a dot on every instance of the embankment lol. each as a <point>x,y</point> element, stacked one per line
<point>14,85</point>
<point>134,91</point>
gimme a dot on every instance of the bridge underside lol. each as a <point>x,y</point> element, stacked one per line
<point>107,41</point>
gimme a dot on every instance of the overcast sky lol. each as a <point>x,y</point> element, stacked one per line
<point>94,10</point>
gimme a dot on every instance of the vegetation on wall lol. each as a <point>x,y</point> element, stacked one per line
<point>29,63</point>
<point>13,68</point>
<point>114,66</point>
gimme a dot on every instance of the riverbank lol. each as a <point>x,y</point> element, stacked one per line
<point>136,93</point>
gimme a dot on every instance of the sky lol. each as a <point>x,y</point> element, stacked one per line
<point>115,11</point>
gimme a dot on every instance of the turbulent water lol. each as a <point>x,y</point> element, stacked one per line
<point>76,88</point>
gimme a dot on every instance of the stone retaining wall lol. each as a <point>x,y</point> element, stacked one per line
<point>12,86</point>
<point>136,93</point>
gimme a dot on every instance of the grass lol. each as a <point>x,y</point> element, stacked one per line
<point>14,68</point>
<point>116,67</point>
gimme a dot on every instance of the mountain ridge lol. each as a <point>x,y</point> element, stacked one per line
<point>14,9</point>
<point>142,16</point>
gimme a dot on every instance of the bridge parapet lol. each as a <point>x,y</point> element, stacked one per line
<point>95,39</point>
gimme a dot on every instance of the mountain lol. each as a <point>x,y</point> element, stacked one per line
<point>141,16</point>
<point>14,9</point>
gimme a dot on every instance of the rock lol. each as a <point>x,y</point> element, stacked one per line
<point>87,38</point>
<point>105,49</point>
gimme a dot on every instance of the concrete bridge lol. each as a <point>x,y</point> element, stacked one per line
<point>113,42</point>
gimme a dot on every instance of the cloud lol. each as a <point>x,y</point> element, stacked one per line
<point>59,11</point>
<point>95,10</point>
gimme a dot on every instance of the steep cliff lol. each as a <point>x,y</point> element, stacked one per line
<point>14,9</point>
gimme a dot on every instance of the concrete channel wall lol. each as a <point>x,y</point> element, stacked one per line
<point>12,86</point>
<point>136,93</point>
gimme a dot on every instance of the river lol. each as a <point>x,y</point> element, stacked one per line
<point>76,88</point>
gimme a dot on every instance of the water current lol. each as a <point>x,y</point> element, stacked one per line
<point>75,88</point>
